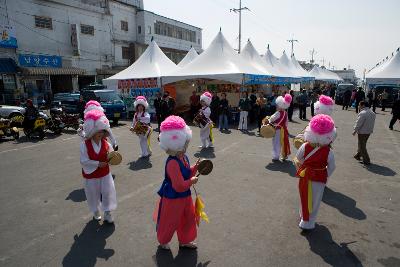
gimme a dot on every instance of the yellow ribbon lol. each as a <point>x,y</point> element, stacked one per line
<point>199,210</point>
<point>211,133</point>
<point>310,208</point>
<point>148,138</point>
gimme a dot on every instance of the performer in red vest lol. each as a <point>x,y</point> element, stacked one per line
<point>98,182</point>
<point>315,162</point>
<point>280,142</point>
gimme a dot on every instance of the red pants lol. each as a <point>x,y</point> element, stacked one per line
<point>177,215</point>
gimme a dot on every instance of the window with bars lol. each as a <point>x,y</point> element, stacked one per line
<point>87,29</point>
<point>43,22</point>
<point>162,28</point>
<point>125,53</point>
<point>124,25</point>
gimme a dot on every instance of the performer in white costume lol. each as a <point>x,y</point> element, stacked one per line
<point>206,137</point>
<point>143,117</point>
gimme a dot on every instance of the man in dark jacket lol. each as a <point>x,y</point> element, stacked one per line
<point>81,107</point>
<point>31,113</point>
<point>395,113</point>
<point>360,96</point>
<point>214,106</point>
<point>346,99</point>
<point>157,107</point>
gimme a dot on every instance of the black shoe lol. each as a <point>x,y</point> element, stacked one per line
<point>391,128</point>
<point>367,163</point>
<point>357,158</point>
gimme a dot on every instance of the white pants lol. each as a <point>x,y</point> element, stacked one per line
<point>205,136</point>
<point>317,193</point>
<point>102,186</point>
<point>276,144</point>
<point>243,120</point>
<point>143,145</point>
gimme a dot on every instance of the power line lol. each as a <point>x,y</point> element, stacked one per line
<point>312,53</point>
<point>292,41</point>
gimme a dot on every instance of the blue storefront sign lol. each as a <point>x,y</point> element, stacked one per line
<point>7,37</point>
<point>27,60</point>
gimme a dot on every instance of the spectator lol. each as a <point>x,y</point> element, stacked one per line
<point>165,107</point>
<point>384,97</point>
<point>395,113</point>
<point>360,96</point>
<point>244,107</point>
<point>214,108</point>
<point>346,99</point>
<point>81,106</point>
<point>157,106</point>
<point>353,97</point>
<point>223,114</point>
<point>364,127</point>
<point>194,104</point>
<point>370,97</point>
<point>261,103</point>
<point>291,107</point>
<point>313,98</point>
<point>302,101</point>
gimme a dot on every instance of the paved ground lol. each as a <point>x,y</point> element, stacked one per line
<point>252,204</point>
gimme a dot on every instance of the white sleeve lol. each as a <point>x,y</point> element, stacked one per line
<point>274,117</point>
<point>331,163</point>
<point>88,165</point>
<point>207,112</point>
<point>300,153</point>
<point>145,119</point>
<point>110,147</point>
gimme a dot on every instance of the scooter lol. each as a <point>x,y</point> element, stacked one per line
<point>7,130</point>
<point>38,128</point>
<point>53,124</point>
<point>68,120</point>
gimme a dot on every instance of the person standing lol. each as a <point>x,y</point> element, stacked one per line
<point>214,106</point>
<point>261,103</point>
<point>194,104</point>
<point>280,141</point>
<point>223,115</point>
<point>370,97</point>
<point>157,107</point>
<point>143,117</point>
<point>165,109</point>
<point>302,102</point>
<point>353,97</point>
<point>384,97</point>
<point>244,107</point>
<point>291,107</point>
<point>374,100</point>
<point>360,96</point>
<point>346,100</point>
<point>313,99</point>
<point>395,113</point>
<point>81,107</point>
<point>364,127</point>
<point>206,137</point>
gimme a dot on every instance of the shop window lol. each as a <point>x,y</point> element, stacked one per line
<point>125,53</point>
<point>139,29</point>
<point>149,29</point>
<point>87,29</point>
<point>124,25</point>
<point>43,22</point>
<point>9,82</point>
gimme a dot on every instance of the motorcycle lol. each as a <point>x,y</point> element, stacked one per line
<point>67,120</point>
<point>7,130</point>
<point>53,124</point>
<point>38,128</point>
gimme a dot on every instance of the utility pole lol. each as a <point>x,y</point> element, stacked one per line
<point>312,53</point>
<point>292,41</point>
<point>239,10</point>
<point>323,62</point>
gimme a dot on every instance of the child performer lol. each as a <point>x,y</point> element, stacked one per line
<point>206,130</point>
<point>315,162</point>
<point>91,105</point>
<point>176,212</point>
<point>143,117</point>
<point>280,142</point>
<point>98,182</point>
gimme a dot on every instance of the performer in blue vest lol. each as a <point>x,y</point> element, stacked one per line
<point>176,211</point>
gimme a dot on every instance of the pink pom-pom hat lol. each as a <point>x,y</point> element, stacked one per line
<point>95,121</point>
<point>324,105</point>
<point>283,102</point>
<point>141,100</point>
<point>206,97</point>
<point>174,134</point>
<point>321,130</point>
<point>93,105</point>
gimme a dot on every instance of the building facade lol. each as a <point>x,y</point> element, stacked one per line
<point>348,75</point>
<point>63,45</point>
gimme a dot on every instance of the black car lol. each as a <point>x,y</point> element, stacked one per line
<point>341,88</point>
<point>69,102</point>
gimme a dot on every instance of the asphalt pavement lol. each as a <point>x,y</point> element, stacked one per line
<point>252,204</point>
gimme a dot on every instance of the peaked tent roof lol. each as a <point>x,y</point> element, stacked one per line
<point>274,66</point>
<point>190,56</point>
<point>388,70</point>
<point>288,66</point>
<point>302,72</point>
<point>324,75</point>
<point>152,63</point>
<point>250,55</point>
<point>219,61</point>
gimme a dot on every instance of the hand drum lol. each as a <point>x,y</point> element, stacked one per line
<point>205,166</point>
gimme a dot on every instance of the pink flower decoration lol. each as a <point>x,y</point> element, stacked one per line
<point>174,137</point>
<point>207,94</point>
<point>94,115</point>
<point>92,103</point>
<point>288,98</point>
<point>173,123</point>
<point>325,100</point>
<point>322,124</point>
<point>141,98</point>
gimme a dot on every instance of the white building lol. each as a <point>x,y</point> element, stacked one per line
<point>63,45</point>
<point>348,75</point>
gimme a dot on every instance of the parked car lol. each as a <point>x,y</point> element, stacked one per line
<point>341,88</point>
<point>114,107</point>
<point>69,102</point>
<point>9,112</point>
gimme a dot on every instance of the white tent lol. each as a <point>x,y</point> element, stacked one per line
<point>153,63</point>
<point>322,74</point>
<point>218,62</point>
<point>273,65</point>
<point>387,73</point>
<point>288,67</point>
<point>190,56</point>
<point>302,72</point>
<point>250,55</point>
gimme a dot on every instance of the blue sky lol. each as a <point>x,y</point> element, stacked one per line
<point>343,32</point>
